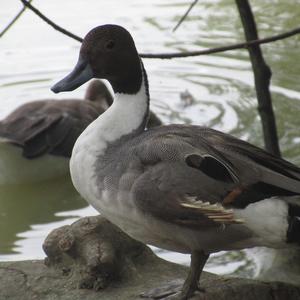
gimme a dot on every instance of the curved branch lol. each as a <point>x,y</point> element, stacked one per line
<point>224,48</point>
<point>18,15</point>
<point>176,54</point>
<point>51,23</point>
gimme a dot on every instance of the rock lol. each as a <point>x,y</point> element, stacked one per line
<point>101,252</point>
<point>92,259</point>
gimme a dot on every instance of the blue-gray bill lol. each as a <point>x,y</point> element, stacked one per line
<point>80,74</point>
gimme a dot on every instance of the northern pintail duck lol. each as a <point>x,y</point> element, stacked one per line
<point>184,188</point>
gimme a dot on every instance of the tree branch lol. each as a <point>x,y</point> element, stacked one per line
<point>224,48</point>
<point>262,77</point>
<point>177,54</point>
<point>185,15</point>
<point>51,23</point>
<point>13,20</point>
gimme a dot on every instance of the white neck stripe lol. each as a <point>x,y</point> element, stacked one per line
<point>125,115</point>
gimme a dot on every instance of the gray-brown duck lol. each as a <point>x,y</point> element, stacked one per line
<point>37,138</point>
<point>183,188</point>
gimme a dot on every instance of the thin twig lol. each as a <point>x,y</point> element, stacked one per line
<point>13,20</point>
<point>224,48</point>
<point>177,54</point>
<point>51,23</point>
<point>185,15</point>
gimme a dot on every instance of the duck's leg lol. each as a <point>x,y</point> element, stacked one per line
<point>177,290</point>
<point>191,284</point>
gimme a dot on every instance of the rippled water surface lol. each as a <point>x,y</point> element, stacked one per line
<point>219,90</point>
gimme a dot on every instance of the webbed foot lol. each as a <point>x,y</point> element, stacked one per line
<point>170,291</point>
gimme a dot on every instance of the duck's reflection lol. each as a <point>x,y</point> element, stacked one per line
<point>24,205</point>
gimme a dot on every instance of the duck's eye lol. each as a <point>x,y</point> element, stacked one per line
<point>110,45</point>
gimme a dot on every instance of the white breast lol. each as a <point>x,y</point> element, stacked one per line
<point>125,115</point>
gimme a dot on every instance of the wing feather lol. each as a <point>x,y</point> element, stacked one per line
<point>179,162</point>
<point>43,127</point>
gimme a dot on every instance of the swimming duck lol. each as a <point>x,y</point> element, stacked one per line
<point>37,138</point>
<point>184,188</point>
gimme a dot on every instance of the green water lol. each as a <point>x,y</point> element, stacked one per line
<point>33,56</point>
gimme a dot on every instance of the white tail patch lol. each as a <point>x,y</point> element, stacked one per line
<point>268,219</point>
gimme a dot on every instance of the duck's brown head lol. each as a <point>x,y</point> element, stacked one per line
<point>107,52</point>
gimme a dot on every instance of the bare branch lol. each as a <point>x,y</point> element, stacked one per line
<point>185,15</point>
<point>262,77</point>
<point>13,20</point>
<point>177,54</point>
<point>51,23</point>
<point>224,48</point>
